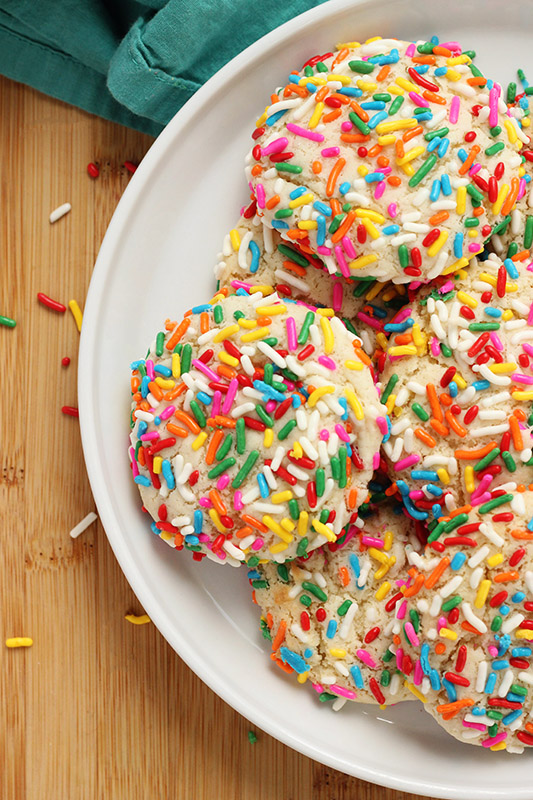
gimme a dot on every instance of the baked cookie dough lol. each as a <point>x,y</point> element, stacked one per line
<point>255,429</point>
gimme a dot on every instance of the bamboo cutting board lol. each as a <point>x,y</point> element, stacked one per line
<point>97,708</point>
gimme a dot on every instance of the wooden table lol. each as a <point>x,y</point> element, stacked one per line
<point>97,708</point>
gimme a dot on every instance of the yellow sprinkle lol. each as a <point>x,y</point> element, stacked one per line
<point>492,280</point>
<point>216,299</point>
<point>388,539</point>
<point>19,641</point>
<point>396,125</point>
<point>526,122</point>
<point>389,138</point>
<point>268,438</point>
<point>392,89</point>
<point>453,60</point>
<point>495,560</point>
<point>297,450</point>
<point>382,340</point>
<point>473,233</point>
<point>270,311</point>
<point>499,746</point>
<point>373,39</point>
<point>402,350</point>
<point>503,368</point>
<point>225,333</point>
<point>363,261</point>
<point>165,383</point>
<point>457,265</point>
<point>482,593</point>
<point>371,228</point>
<point>277,529</point>
<point>318,393</point>
<point>502,194</point>
<point>253,336</point>
<point>302,677</point>
<point>303,520</point>
<point>362,170</point>
<point>176,365</point>
<point>460,381</point>
<point>382,571</point>
<point>235,239</point>
<point>408,169</point>
<point>347,45</point>
<point>287,524</point>
<point>407,85</point>
<point>378,555</point>
<point>453,75</point>
<point>467,300</point>
<point>317,113</point>
<point>142,619</point>
<point>166,536</point>
<point>366,86</point>
<point>356,365</point>
<point>301,201</point>
<point>523,633</point>
<point>365,213</point>
<point>307,225</point>
<point>414,152</point>
<point>374,291</point>
<point>199,441</point>
<point>279,547</point>
<point>325,312</point>
<point>417,693</point>
<point>157,465</point>
<point>76,313</point>
<point>511,131</point>
<point>344,79</point>
<point>391,402</point>
<point>507,315</point>
<point>327,333</point>
<point>337,652</point>
<point>248,324</point>
<point>443,476</point>
<point>522,395</point>
<point>460,205</point>
<point>263,288</point>
<point>216,520</point>
<point>315,79</point>
<point>383,590</point>
<point>355,404</point>
<point>282,497</point>
<point>261,119</point>
<point>324,530</point>
<point>448,634</point>
<point>231,361</point>
<point>418,337</point>
<point>469,479</point>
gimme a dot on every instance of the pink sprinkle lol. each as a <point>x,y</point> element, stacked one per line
<point>366,658</point>
<point>341,261</point>
<point>304,133</point>
<point>402,610</point>
<point>483,498</point>
<point>392,210</point>
<point>418,100</point>
<point>241,285</point>
<point>442,623</point>
<point>336,299</point>
<point>270,406</point>
<point>238,505</point>
<point>134,467</point>
<point>349,249</point>
<point>478,726</point>
<point>260,195</point>
<point>519,378</point>
<point>399,658</point>
<point>521,189</point>
<point>530,315</point>
<point>328,152</point>
<point>230,395</point>
<point>258,544</point>
<point>150,369</point>
<point>418,673</point>
<point>382,425</point>
<point>411,634</point>
<point>455,105</point>
<point>495,740</point>
<point>403,314</point>
<point>323,251</point>
<point>406,462</point>
<point>204,537</point>
<point>496,341</point>
<point>417,494</point>
<point>346,126</point>
<point>455,47</point>
<point>205,369</point>
<point>317,687</point>
<point>205,502</point>
<point>327,362</point>
<point>341,432</point>
<point>223,482</point>
<point>493,106</point>
<point>414,285</point>
<point>411,50</point>
<point>336,689</point>
<point>369,320</point>
<point>527,348</point>
<point>376,460</point>
<point>380,189</point>
<point>324,435</point>
<point>492,650</point>
<point>371,541</point>
<point>277,146</point>
<point>474,169</point>
<point>292,342</point>
<point>215,409</point>
<point>291,386</point>
<point>482,486</point>
<point>146,437</point>
<point>435,347</point>
<point>169,410</point>
<point>446,287</point>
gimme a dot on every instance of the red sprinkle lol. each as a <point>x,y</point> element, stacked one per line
<point>461,658</point>
<point>70,411</point>
<point>372,634</point>
<point>49,303</point>
<point>65,361</point>
<point>130,166</point>
<point>93,170</point>
<point>320,614</point>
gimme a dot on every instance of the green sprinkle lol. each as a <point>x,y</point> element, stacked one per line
<point>263,624</point>
<point>395,105</point>
<point>497,147</point>
<point>484,326</point>
<point>259,584</point>
<point>287,428</point>
<point>433,134</point>
<point>426,48</point>
<point>475,193</point>
<point>475,71</point>
<point>237,315</point>
<point>528,90</point>
<point>222,467</point>
<point>308,321</point>
<point>343,608</point>
<point>283,573</point>
<point>403,255</point>
<point>308,72</point>
<point>509,461</point>
<point>471,54</point>
<point>494,132</point>
<point>393,380</point>
<point>420,412</point>
<point>415,619</point>
<point>363,67</point>
<point>382,97</point>
<point>137,448</point>
<point>511,92</point>
<point>287,251</point>
<point>198,413</point>
<point>471,222</point>
<point>528,232</point>
<point>324,515</point>
<point>496,623</point>
<point>142,370</point>
<point>218,314</point>
<point>495,503</point>
<point>501,226</point>
<point>362,287</point>
<point>315,590</point>
<point>492,731</point>
<point>358,122</point>
<point>349,325</point>
<point>456,522</point>
<point>512,250</point>
<point>292,376</point>
<point>387,656</point>
<point>284,212</point>
<point>245,469</point>
<point>301,550</point>
<point>305,600</point>
<point>519,689</point>
<point>159,343</point>
<point>423,170</point>
<point>326,697</point>
<point>186,357</point>
<point>336,222</point>
<point>263,416</point>
<point>294,511</point>
<point>321,67</point>
<point>269,374</point>
<point>253,561</point>
<point>224,448</point>
<point>385,678</point>
<point>271,340</point>
<point>436,532</point>
<point>320,481</point>
<point>488,459</point>
<point>493,714</point>
<point>284,167</point>
<point>7,321</point>
<point>240,430</point>
<point>252,738</point>
<point>335,468</point>
<point>446,351</point>
<point>453,602</point>
<point>342,464</point>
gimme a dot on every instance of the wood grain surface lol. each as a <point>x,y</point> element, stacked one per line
<point>97,708</point>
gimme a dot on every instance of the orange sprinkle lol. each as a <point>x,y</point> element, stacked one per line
<point>475,455</point>
<point>392,489</point>
<point>218,503</point>
<point>178,333</point>
<point>361,355</point>
<point>321,94</point>
<point>361,113</point>
<point>269,620</point>
<point>520,414</point>
<point>263,322</point>
<point>478,80</point>
<point>382,74</point>
<point>445,399</point>
<point>424,60</point>
<point>204,322</point>
<point>456,706</point>
<point>521,256</point>
<point>141,457</point>
<point>442,51</point>
<point>316,167</point>
<point>529,727</point>
<point>465,166</point>
<point>463,510</point>
<point>187,420</point>
<point>344,227</point>
<point>432,97</point>
<point>243,532</point>
<point>434,402</point>
<point>524,535</point>
<point>439,427</point>
<point>415,588</point>
<point>455,425</point>
<point>290,266</point>
<point>333,175</point>
<point>176,430</point>
<point>440,216</point>
<point>510,200</point>
<point>225,422</point>
<point>408,135</point>
<point>178,540</point>
<point>506,577</point>
<point>171,324</point>
<point>274,98</point>
<point>478,212</point>
<point>344,576</point>
<point>394,180</point>
<point>468,627</point>
<point>354,137</point>
<point>440,648</point>
<point>254,523</point>
<point>156,390</point>
<point>336,207</point>
<point>273,202</point>
<point>180,388</point>
<point>383,161</point>
<point>216,440</point>
<point>257,169</point>
<point>516,433</point>
<point>226,372</point>
<point>135,383</point>
<point>280,636</point>
<point>403,338</point>
<point>375,150</point>
<point>398,145</point>
<point>342,54</point>
<point>437,573</point>
<point>342,98</point>
<point>285,667</point>
<point>331,115</point>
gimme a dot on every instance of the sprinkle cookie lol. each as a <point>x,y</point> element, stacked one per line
<point>388,159</point>
<point>330,617</point>
<point>255,429</point>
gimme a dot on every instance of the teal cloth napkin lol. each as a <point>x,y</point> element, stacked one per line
<point>132,62</point>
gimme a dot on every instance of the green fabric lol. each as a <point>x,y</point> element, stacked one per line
<point>132,62</point>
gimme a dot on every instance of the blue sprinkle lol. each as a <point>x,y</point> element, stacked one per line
<point>443,147</point>
<point>425,115</point>
<point>155,529</point>
<point>143,427</point>
<point>434,679</point>
<point>350,91</point>
<point>344,403</point>
<point>374,177</point>
<point>435,190</point>
<point>168,475</point>
<point>434,143</point>
<point>190,538</point>
<point>436,510</point>
<point>421,68</point>
<point>296,401</point>
<point>376,119</point>
<point>478,712</point>
<point>293,660</point>
<point>321,230</point>
<point>515,698</point>
<point>512,716</point>
<point>440,71</point>
<point>424,659</point>
<point>348,446</point>
<point>294,78</point>
<point>279,224</point>
<point>331,630</point>
<point>311,87</point>
<point>446,185</point>
<point>308,652</point>
<point>500,664</point>
<point>157,420</point>
<point>505,643</point>
<point>436,491</point>
<point>458,245</point>
<point>390,230</point>
<point>380,313</point>
<point>253,575</point>
<point>198,521</point>
<point>489,84</point>
<point>200,309</point>
<point>491,683</point>
<point>355,565</point>
<point>374,105</point>
<point>298,192</point>
<point>399,327</point>
<point>424,475</point>
<point>521,652</point>
<point>345,187</point>
<point>242,292</point>
<point>322,208</point>
<point>453,389</point>
<point>451,691</point>
<point>511,268</point>
<point>493,312</point>
<point>204,398</point>
<point>137,364</point>
<point>144,386</point>
<point>263,485</point>
<point>357,677</point>
<point>256,254</point>
<point>273,118</point>
<point>142,481</point>
<point>457,561</point>
<point>463,155</point>
<point>269,391</point>
<point>530,525</point>
<point>165,370</point>
<point>504,610</point>
<point>479,386</point>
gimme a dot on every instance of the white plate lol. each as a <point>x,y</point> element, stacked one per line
<point>156,261</point>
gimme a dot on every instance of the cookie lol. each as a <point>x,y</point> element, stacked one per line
<point>256,427</point>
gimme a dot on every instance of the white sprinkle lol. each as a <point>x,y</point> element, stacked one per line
<point>506,683</point>
<point>59,212</point>
<point>83,525</point>
<point>470,617</point>
<point>481,676</point>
